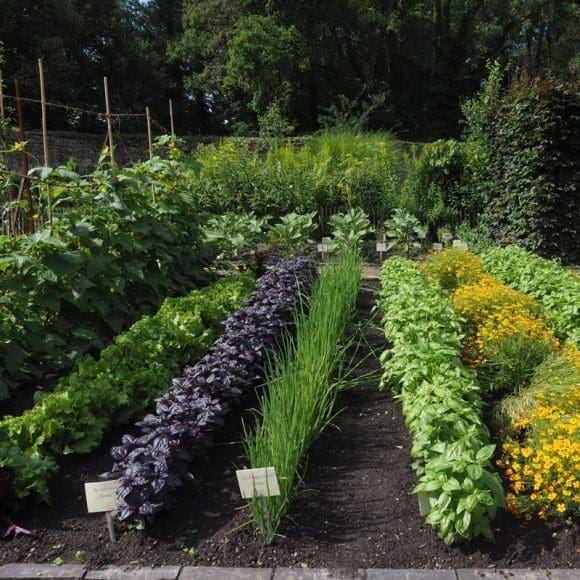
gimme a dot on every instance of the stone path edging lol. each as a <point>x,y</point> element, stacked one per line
<point>78,572</point>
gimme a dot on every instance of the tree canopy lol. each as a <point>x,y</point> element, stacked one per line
<point>403,65</point>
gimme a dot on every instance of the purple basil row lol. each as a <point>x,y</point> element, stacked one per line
<point>150,466</point>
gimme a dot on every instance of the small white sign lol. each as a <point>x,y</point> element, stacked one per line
<point>323,248</point>
<point>381,247</point>
<point>101,496</point>
<point>326,240</point>
<point>457,243</point>
<point>446,237</point>
<point>424,504</point>
<point>437,246</point>
<point>260,482</point>
<point>261,248</point>
<point>421,235</point>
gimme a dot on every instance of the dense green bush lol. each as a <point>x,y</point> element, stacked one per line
<point>120,243</point>
<point>328,174</point>
<point>524,161</point>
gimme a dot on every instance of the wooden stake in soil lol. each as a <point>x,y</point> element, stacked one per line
<point>109,121</point>
<point>149,132</point>
<point>171,117</point>
<point>1,96</point>
<point>44,135</point>
<point>24,189</point>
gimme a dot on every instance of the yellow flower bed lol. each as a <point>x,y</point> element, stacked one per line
<point>541,421</point>
<point>543,470</point>
<point>489,303</point>
<point>452,268</point>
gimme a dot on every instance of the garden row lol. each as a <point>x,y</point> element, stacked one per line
<point>121,385</point>
<point>464,342</point>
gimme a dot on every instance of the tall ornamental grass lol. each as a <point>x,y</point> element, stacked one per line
<point>301,389</point>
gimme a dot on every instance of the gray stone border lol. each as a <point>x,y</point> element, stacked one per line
<point>76,572</point>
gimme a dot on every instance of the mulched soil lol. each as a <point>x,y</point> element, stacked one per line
<point>354,511</point>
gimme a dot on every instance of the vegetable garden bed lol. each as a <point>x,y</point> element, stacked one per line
<point>356,509</point>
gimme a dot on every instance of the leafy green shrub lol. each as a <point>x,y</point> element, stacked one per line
<point>403,229</point>
<point>291,235</point>
<point>441,404</point>
<point>555,288</point>
<point>119,244</point>
<point>233,234</point>
<point>350,228</point>
<point>122,384</point>
<point>536,162</point>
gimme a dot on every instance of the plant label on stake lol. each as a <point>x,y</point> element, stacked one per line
<point>102,497</point>
<point>447,237</point>
<point>261,248</point>
<point>381,247</point>
<point>326,240</point>
<point>437,247</point>
<point>261,482</point>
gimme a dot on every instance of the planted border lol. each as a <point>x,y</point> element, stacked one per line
<point>554,287</point>
<point>451,445</point>
<point>122,384</point>
<point>300,391</point>
<point>186,419</point>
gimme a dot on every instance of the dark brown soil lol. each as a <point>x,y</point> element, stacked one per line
<point>355,509</point>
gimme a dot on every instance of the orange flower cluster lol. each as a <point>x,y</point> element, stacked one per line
<point>544,471</point>
<point>488,303</point>
<point>452,268</point>
<point>505,322</point>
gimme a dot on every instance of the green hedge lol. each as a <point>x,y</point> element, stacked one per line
<point>536,161</point>
<point>122,384</point>
<point>441,403</point>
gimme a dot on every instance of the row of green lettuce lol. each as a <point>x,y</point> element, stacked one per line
<point>120,242</point>
<point>557,289</point>
<point>122,385</point>
<point>442,406</point>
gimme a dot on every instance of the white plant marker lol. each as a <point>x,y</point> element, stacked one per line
<point>102,497</point>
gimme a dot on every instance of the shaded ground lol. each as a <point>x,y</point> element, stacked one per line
<point>355,510</point>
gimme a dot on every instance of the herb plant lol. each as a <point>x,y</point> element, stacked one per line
<point>451,445</point>
<point>300,391</point>
<point>186,419</point>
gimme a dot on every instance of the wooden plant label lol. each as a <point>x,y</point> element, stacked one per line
<point>447,237</point>
<point>381,247</point>
<point>424,505</point>
<point>101,496</point>
<point>260,482</point>
<point>437,247</point>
